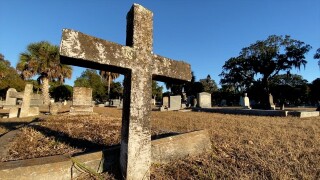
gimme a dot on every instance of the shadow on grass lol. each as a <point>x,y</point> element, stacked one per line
<point>14,125</point>
<point>111,153</point>
<point>83,144</point>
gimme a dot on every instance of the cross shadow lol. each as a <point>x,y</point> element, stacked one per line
<point>83,144</point>
<point>111,154</point>
<point>14,125</point>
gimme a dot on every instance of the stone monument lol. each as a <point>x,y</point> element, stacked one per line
<point>25,109</point>
<point>139,66</point>
<point>271,104</point>
<point>81,101</point>
<point>246,102</point>
<point>174,103</point>
<point>204,100</point>
<point>165,102</point>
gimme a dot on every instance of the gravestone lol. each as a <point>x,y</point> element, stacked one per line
<point>115,102</point>
<point>241,103</point>
<point>165,102</point>
<point>11,101</point>
<point>223,102</point>
<point>246,102</point>
<point>174,103</point>
<point>271,104</point>
<point>36,100</point>
<point>204,100</point>
<point>25,110</point>
<point>139,66</point>
<point>54,108</point>
<point>25,107</point>
<point>82,100</point>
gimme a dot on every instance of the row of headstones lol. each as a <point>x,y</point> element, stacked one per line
<point>245,102</point>
<point>173,103</point>
<point>26,103</point>
<point>203,100</point>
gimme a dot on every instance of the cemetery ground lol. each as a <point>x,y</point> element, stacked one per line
<point>243,147</point>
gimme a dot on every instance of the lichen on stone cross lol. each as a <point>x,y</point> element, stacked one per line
<point>139,66</point>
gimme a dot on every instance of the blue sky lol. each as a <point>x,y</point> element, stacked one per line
<point>203,33</point>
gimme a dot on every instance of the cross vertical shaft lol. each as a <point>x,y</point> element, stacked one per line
<point>136,161</point>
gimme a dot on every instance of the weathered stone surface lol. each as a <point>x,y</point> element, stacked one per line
<point>11,101</point>
<point>304,114</point>
<point>81,101</point>
<point>204,100</point>
<point>139,66</point>
<point>179,146</point>
<point>25,107</point>
<point>165,101</point>
<point>27,99</point>
<point>174,103</point>
<point>82,96</point>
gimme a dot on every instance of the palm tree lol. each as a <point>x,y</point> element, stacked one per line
<point>42,58</point>
<point>110,76</point>
<point>65,72</point>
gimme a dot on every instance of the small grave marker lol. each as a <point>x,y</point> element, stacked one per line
<point>246,101</point>
<point>204,100</point>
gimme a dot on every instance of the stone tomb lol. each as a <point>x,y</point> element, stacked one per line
<point>139,66</point>
<point>204,100</point>
<point>82,100</point>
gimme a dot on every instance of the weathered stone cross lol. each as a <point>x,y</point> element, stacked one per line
<point>139,66</point>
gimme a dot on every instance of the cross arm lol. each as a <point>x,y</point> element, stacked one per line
<point>79,49</point>
<point>165,69</point>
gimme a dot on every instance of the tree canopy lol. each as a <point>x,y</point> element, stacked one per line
<point>209,85</point>
<point>90,78</point>
<point>9,78</point>
<point>42,59</point>
<point>262,61</point>
<point>317,56</point>
<point>109,77</point>
<point>156,91</point>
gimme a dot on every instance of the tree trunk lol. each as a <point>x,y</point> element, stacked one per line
<point>265,98</point>
<point>109,82</point>
<point>45,91</point>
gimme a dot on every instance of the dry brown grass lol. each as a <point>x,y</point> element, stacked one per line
<point>244,147</point>
<point>7,125</point>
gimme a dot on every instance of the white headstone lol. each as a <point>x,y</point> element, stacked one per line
<point>204,100</point>
<point>246,102</point>
<point>175,102</point>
